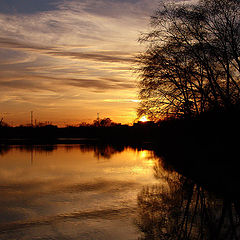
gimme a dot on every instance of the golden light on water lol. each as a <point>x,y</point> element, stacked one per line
<point>77,176</point>
<point>143,154</point>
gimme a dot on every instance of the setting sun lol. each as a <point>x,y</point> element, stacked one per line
<point>143,119</point>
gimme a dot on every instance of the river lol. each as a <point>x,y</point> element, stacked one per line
<point>105,192</point>
<point>71,191</point>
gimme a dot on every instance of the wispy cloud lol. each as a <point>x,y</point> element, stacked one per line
<point>70,48</point>
<point>100,85</point>
<point>95,56</point>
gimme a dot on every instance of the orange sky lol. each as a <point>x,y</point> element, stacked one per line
<point>68,60</point>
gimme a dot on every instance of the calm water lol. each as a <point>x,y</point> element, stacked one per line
<point>72,191</point>
<point>69,192</point>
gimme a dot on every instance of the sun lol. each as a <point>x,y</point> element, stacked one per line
<point>143,119</point>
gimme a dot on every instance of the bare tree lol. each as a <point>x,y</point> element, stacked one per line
<point>192,61</point>
<point>179,208</point>
<point>105,122</point>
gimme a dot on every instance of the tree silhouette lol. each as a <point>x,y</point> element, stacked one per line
<point>192,61</point>
<point>105,122</point>
<point>179,208</point>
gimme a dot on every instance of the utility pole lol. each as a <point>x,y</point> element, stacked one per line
<point>31,118</point>
<point>98,119</point>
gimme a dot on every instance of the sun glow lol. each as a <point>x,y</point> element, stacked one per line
<point>143,119</point>
<point>143,154</point>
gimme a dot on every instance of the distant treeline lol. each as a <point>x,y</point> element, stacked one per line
<point>208,129</point>
<point>50,133</point>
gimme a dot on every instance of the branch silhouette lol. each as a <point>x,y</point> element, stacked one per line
<point>191,64</point>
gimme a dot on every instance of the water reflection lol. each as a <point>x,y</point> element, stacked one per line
<point>180,208</point>
<point>66,192</point>
<point>4,149</point>
<point>100,151</point>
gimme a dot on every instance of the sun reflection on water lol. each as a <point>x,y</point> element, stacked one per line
<point>69,184</point>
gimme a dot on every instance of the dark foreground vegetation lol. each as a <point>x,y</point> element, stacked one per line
<point>53,134</point>
<point>191,64</point>
<point>190,73</point>
<point>185,208</point>
<point>219,128</point>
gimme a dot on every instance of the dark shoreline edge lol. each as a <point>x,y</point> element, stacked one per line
<point>205,149</point>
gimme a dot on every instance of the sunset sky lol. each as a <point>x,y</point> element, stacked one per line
<point>68,60</point>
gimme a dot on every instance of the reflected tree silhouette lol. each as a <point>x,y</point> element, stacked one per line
<point>100,150</point>
<point>4,149</point>
<point>106,151</point>
<point>179,208</point>
<point>37,148</point>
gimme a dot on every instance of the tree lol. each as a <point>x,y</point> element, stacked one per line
<point>105,122</point>
<point>192,61</point>
<point>179,208</point>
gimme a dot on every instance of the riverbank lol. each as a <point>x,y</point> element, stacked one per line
<point>210,129</point>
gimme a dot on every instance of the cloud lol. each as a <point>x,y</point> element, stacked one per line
<point>53,51</point>
<point>26,6</point>
<point>99,84</point>
<point>113,8</point>
<point>95,56</point>
<point>25,84</point>
<point>102,56</point>
<point>121,100</point>
<point>16,44</point>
